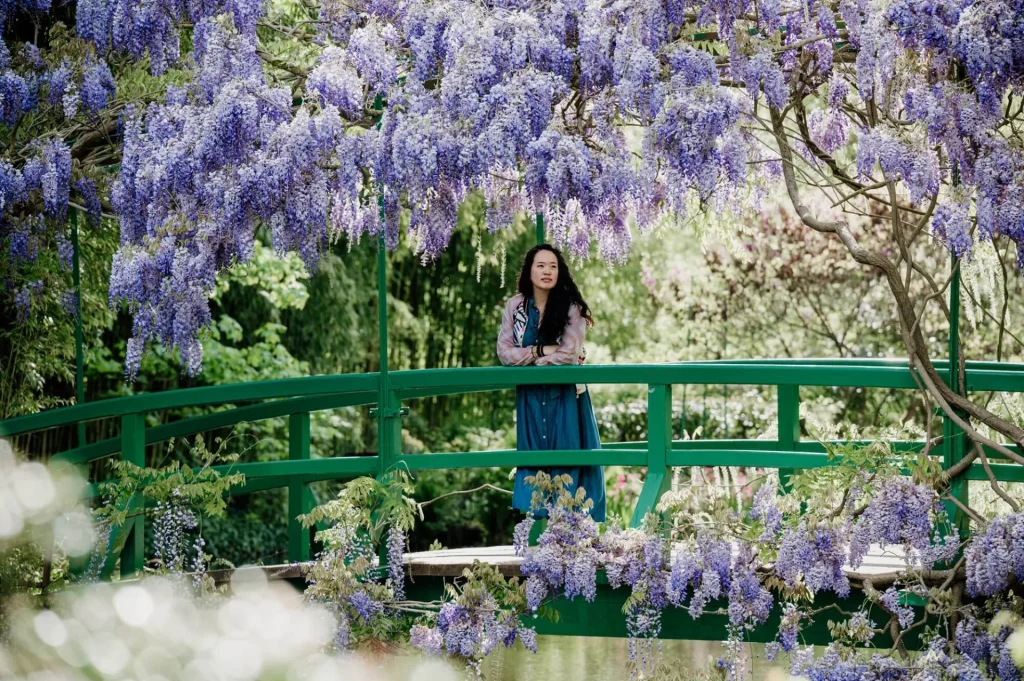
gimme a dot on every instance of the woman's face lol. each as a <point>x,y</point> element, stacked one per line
<point>544,273</point>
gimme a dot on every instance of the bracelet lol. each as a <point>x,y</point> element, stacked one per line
<point>540,350</point>
<point>534,351</point>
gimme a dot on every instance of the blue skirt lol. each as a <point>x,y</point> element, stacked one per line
<point>554,417</point>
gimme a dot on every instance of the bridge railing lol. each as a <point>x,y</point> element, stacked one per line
<point>298,398</point>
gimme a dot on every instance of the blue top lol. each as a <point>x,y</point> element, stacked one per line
<point>555,417</point>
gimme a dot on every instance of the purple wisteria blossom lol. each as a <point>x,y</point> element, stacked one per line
<point>701,575</point>
<point>69,302</point>
<point>94,209</point>
<point>905,513</point>
<point>952,224</point>
<point>98,87</point>
<point>521,534</point>
<point>396,571</point>
<point>815,555</point>
<point>23,299</point>
<point>428,639</point>
<point>916,166</point>
<point>749,601</point>
<point>986,647</point>
<point>995,555</point>
<point>789,628</point>
<point>174,520</point>
<point>766,509</point>
<point>534,105</point>
<point>565,559</point>
<point>904,613</point>
<point>364,605</point>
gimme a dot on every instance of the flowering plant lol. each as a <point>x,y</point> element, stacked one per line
<point>781,555</point>
<point>478,613</point>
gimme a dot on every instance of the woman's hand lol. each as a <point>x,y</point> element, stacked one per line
<point>549,349</point>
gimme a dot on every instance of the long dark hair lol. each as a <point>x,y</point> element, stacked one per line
<point>564,295</point>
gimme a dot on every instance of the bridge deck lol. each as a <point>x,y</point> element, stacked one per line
<point>452,562</point>
<point>428,571</point>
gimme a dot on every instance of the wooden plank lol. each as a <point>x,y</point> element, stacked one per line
<point>452,562</point>
<point>285,571</point>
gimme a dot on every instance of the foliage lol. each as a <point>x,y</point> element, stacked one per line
<point>208,129</point>
<point>784,552</point>
<point>368,504</point>
<point>204,488</point>
<point>623,490</point>
<point>50,541</point>
<point>254,530</point>
<point>175,498</point>
<point>479,613</point>
<point>38,366</point>
<point>485,518</point>
<point>249,343</point>
<point>767,288</point>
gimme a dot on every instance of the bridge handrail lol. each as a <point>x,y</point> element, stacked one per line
<point>411,384</point>
<point>305,386</point>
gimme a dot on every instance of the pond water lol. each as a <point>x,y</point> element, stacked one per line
<point>567,658</point>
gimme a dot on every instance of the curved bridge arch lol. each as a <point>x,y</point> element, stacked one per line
<point>297,398</point>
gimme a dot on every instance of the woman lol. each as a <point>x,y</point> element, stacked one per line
<point>544,325</point>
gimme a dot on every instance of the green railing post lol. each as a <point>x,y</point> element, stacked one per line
<point>76,279</point>
<point>725,388</point>
<point>682,413</point>
<point>704,413</point>
<point>789,426</point>
<point>659,444</point>
<point>133,450</point>
<point>540,228</point>
<point>389,429</point>
<point>389,410</point>
<point>954,444</point>
<point>298,492</point>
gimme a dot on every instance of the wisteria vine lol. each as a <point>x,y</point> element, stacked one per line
<point>778,557</point>
<point>405,107</point>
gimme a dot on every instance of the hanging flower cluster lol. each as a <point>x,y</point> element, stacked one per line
<point>746,570</point>
<point>37,177</point>
<point>604,117</point>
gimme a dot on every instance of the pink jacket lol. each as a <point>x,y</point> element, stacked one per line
<point>513,323</point>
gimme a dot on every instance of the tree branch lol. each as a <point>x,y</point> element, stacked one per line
<point>284,66</point>
<point>941,396</point>
<point>912,335</point>
<point>94,138</point>
<point>484,486</point>
<point>992,479</point>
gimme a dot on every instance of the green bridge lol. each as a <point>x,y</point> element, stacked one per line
<point>385,393</point>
